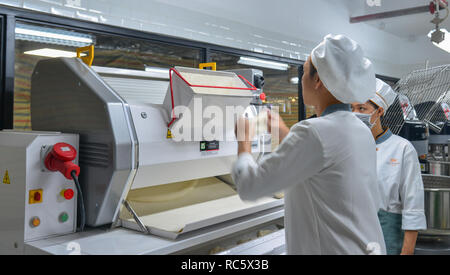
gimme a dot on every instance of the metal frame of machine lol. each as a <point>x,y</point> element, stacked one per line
<point>123,150</point>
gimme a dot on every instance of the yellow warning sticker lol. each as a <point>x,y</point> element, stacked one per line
<point>169,134</point>
<point>6,179</point>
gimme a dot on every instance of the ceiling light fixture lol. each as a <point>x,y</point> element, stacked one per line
<point>263,63</point>
<point>51,36</point>
<point>441,39</point>
<point>53,53</point>
<point>438,36</point>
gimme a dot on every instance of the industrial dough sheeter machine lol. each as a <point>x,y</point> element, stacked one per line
<point>152,181</point>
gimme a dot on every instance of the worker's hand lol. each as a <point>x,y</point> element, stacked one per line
<point>275,124</point>
<point>245,132</point>
<point>244,129</point>
<point>409,242</point>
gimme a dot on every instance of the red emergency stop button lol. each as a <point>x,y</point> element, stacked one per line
<point>262,96</point>
<point>68,194</point>
<point>37,196</point>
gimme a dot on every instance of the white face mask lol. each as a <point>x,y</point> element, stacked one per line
<point>366,119</point>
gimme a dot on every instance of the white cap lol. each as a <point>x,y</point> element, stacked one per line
<point>384,96</point>
<point>343,69</point>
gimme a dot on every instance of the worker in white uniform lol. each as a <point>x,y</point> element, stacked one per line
<point>399,176</point>
<point>325,165</point>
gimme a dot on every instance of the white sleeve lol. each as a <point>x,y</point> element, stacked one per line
<point>411,192</point>
<point>298,157</point>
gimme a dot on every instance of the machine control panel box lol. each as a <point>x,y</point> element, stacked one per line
<point>36,203</point>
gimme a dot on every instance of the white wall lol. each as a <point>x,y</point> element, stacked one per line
<point>289,28</point>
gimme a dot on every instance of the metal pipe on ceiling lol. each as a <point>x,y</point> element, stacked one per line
<point>389,14</point>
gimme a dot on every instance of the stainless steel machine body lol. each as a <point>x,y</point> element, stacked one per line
<point>440,143</point>
<point>122,118</point>
<point>437,201</point>
<point>436,239</point>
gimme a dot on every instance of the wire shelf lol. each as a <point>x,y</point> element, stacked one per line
<point>423,95</point>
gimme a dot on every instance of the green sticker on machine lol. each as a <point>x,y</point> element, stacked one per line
<point>209,145</point>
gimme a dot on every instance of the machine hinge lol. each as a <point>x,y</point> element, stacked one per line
<point>136,217</point>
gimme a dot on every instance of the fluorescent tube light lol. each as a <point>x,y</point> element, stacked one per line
<point>444,45</point>
<point>53,35</point>
<point>52,53</point>
<point>263,63</point>
<point>294,80</point>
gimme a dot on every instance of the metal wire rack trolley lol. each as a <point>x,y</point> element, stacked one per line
<point>422,95</point>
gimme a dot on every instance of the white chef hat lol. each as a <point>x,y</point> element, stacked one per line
<point>385,96</point>
<point>343,69</point>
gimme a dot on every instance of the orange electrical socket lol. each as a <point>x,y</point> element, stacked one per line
<point>35,196</point>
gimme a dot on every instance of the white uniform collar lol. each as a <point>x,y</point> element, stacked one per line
<point>384,136</point>
<point>337,107</point>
